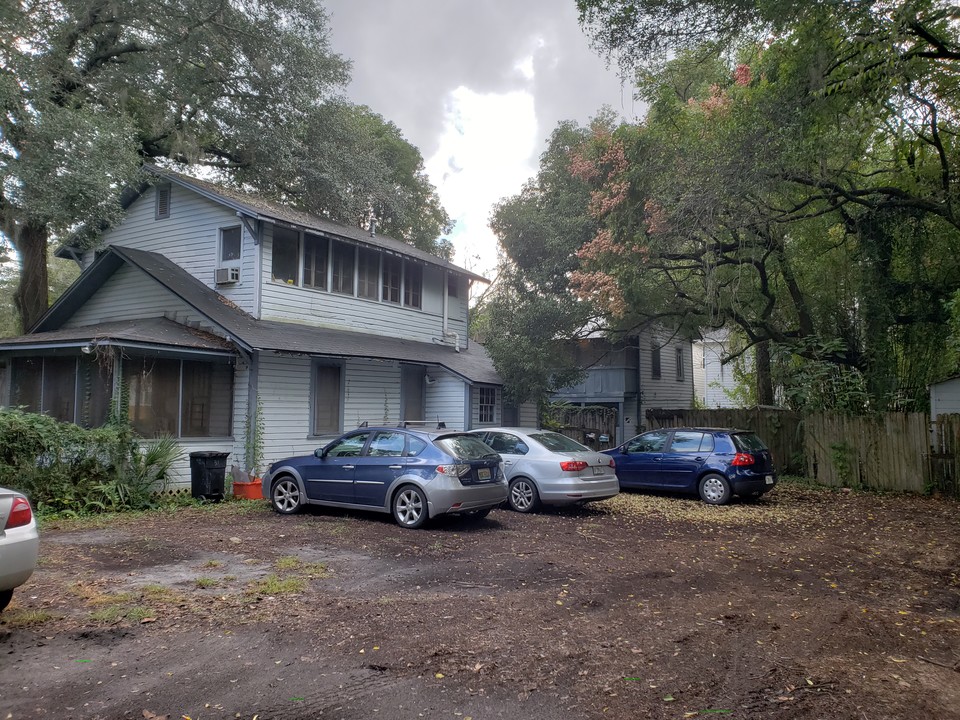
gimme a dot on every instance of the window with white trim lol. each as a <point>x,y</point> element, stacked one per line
<point>487,404</point>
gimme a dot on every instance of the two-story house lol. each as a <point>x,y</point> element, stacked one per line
<point>653,369</point>
<point>205,307</point>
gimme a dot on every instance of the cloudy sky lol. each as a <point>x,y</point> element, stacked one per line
<point>478,86</point>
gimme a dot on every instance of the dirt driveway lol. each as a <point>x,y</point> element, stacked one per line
<point>807,604</point>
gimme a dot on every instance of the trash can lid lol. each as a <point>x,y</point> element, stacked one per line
<point>208,454</point>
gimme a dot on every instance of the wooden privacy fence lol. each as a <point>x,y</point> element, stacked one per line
<point>781,430</point>
<point>888,452</point>
<point>944,464</point>
<point>587,425</point>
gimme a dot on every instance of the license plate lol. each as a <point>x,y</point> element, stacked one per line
<point>597,470</point>
<point>769,479</point>
<point>484,474</point>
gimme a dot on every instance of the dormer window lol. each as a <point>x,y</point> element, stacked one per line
<point>162,208</point>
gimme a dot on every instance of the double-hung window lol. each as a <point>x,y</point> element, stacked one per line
<point>326,399</point>
<point>487,404</point>
<point>679,353</point>
<point>315,252</point>
<point>654,361</point>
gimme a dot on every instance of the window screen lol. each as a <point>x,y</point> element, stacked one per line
<point>286,253</point>
<point>315,262</point>
<point>326,399</point>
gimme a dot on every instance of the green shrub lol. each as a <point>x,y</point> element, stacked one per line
<point>62,467</point>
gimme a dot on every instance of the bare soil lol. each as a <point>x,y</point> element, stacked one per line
<point>806,604</point>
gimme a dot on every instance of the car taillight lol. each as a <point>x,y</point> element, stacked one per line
<point>613,463</point>
<point>454,470</point>
<point>741,459</point>
<point>20,514</point>
<point>573,465</point>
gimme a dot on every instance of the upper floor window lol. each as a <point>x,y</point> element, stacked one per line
<point>315,252</point>
<point>368,274</point>
<point>343,261</point>
<point>316,262</point>
<point>162,207</point>
<point>286,255</point>
<point>453,286</point>
<point>229,246</point>
<point>679,363</point>
<point>654,361</point>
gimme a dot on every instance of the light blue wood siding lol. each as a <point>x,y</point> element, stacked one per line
<point>328,309</point>
<point>131,295</point>
<point>284,387</point>
<point>189,237</point>
<point>371,393</point>
<point>528,415</point>
<point>445,400</point>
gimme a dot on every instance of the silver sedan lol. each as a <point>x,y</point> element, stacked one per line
<point>19,543</point>
<point>549,468</point>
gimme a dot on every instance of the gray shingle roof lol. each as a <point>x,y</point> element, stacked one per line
<point>148,331</point>
<point>243,329</point>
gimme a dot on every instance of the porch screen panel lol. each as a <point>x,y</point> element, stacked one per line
<point>368,274</point>
<point>207,399</point>
<point>27,379</point>
<point>153,388</point>
<point>60,388</point>
<point>343,267</point>
<point>326,399</point>
<point>315,251</point>
<point>96,391</point>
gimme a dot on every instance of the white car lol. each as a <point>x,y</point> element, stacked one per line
<point>549,468</point>
<point>19,543</point>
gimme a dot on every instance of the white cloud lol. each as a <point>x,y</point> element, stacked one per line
<point>484,154</point>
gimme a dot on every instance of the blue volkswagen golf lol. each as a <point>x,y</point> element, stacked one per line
<point>714,463</point>
<point>413,474</point>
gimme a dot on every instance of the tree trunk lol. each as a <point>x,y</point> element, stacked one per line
<point>31,298</point>
<point>764,379</point>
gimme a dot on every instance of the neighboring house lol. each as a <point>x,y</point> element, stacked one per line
<point>653,369</point>
<point>714,382</point>
<point>945,397</point>
<point>205,304</point>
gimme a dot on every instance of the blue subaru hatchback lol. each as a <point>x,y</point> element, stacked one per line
<point>414,475</point>
<point>714,463</point>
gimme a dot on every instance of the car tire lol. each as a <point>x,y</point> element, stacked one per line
<point>5,597</point>
<point>476,514</point>
<point>715,489</point>
<point>523,496</point>
<point>410,507</point>
<point>285,496</point>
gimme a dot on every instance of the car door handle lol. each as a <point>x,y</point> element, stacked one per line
<point>656,459</point>
<point>698,459</point>
<point>395,467</point>
<point>349,467</point>
<point>508,462</point>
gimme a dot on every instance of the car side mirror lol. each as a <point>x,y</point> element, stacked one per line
<point>320,452</point>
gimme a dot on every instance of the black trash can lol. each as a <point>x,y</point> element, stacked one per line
<point>208,470</point>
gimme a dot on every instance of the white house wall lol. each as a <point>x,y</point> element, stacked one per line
<point>945,398</point>
<point>190,237</point>
<point>284,388</point>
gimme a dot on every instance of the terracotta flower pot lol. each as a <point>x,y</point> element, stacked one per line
<point>248,490</point>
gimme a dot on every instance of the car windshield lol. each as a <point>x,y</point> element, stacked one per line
<point>555,442</point>
<point>748,442</point>
<point>465,447</point>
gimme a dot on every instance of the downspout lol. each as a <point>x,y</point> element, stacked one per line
<point>446,309</point>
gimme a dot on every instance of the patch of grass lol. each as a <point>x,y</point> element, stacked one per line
<point>288,562</point>
<point>159,593</point>
<point>28,618</point>
<point>138,613</point>
<point>110,614</point>
<point>274,585</point>
<point>213,564</point>
<point>206,582</point>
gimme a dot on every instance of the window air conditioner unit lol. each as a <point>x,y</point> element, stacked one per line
<point>228,275</point>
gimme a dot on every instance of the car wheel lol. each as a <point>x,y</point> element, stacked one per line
<point>286,497</point>
<point>715,490</point>
<point>476,514</point>
<point>523,496</point>
<point>410,507</point>
<point>5,597</point>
